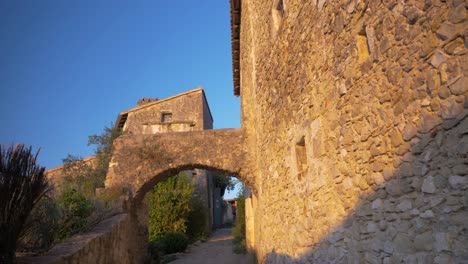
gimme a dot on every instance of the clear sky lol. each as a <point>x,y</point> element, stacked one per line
<point>67,68</point>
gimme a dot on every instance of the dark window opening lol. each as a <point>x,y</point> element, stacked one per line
<point>121,121</point>
<point>301,158</point>
<point>280,7</point>
<point>278,11</point>
<point>166,117</point>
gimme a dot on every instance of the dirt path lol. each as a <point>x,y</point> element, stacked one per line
<point>217,250</point>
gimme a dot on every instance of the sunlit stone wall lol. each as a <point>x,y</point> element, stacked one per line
<point>357,135</point>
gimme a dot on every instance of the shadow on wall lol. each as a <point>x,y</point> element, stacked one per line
<point>417,214</point>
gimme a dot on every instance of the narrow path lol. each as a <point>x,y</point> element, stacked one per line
<point>217,249</point>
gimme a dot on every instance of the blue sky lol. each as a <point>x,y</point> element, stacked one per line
<point>68,68</point>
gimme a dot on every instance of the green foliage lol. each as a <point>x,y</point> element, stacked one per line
<point>76,195</point>
<point>169,206</point>
<point>240,246</point>
<point>103,150</point>
<point>171,242</point>
<point>41,228</point>
<point>197,220</point>
<point>75,209</point>
<point>103,142</point>
<point>81,176</point>
<point>22,184</point>
<point>223,182</point>
<point>174,242</point>
<point>154,252</point>
<point>74,206</point>
<point>85,176</point>
<point>238,231</point>
<point>109,195</point>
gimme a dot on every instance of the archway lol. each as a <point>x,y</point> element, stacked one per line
<point>139,162</point>
<point>140,213</point>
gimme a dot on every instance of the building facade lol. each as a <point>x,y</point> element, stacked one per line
<point>357,130</point>
<point>188,111</point>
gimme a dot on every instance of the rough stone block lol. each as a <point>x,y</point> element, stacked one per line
<point>460,86</point>
<point>442,242</point>
<point>458,181</point>
<point>438,58</point>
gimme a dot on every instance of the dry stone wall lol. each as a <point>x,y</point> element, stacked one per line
<point>357,132</point>
<point>189,111</point>
<point>139,162</point>
<point>109,242</point>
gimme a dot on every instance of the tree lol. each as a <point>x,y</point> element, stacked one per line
<point>169,206</point>
<point>103,143</point>
<point>22,184</point>
<point>84,176</point>
<point>223,182</point>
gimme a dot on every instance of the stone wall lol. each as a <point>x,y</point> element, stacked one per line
<point>250,222</point>
<point>139,162</point>
<point>56,175</point>
<point>204,188</point>
<point>207,117</point>
<point>109,242</point>
<point>356,129</point>
<point>188,110</point>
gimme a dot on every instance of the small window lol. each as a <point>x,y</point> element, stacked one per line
<point>278,12</point>
<point>166,117</point>
<point>280,7</point>
<point>301,159</point>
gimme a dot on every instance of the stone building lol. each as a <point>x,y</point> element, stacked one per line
<point>353,138</point>
<point>188,111</point>
<point>355,114</point>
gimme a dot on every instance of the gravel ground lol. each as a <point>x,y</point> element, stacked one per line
<point>218,249</point>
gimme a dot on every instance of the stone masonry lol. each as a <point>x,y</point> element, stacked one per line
<point>140,161</point>
<point>356,129</point>
<point>354,137</point>
<point>187,111</point>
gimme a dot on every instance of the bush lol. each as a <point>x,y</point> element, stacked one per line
<point>22,184</point>
<point>197,220</point>
<point>174,242</point>
<point>240,247</point>
<point>169,206</point>
<point>76,197</point>
<point>75,209</point>
<point>239,229</point>
<point>40,230</point>
<point>85,175</point>
<point>154,252</point>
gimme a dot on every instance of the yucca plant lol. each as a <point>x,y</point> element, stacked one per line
<point>22,184</point>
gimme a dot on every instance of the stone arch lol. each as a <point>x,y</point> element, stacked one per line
<point>140,161</point>
<point>170,172</point>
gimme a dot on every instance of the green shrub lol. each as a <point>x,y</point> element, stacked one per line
<point>197,220</point>
<point>74,206</point>
<point>41,227</point>
<point>169,206</point>
<point>174,242</point>
<point>75,209</point>
<point>154,252</point>
<point>238,232</point>
<point>85,176</point>
<point>240,247</point>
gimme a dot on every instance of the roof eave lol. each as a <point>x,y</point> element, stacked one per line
<point>235,43</point>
